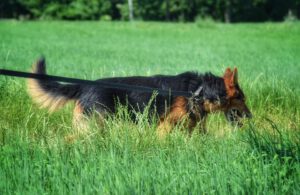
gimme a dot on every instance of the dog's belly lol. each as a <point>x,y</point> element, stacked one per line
<point>106,101</point>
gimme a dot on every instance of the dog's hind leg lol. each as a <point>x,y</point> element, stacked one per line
<point>201,127</point>
<point>80,121</point>
<point>165,127</point>
<point>80,124</point>
<point>82,117</point>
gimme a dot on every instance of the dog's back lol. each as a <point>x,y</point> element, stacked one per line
<point>54,95</point>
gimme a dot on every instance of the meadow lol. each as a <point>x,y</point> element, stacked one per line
<point>123,157</point>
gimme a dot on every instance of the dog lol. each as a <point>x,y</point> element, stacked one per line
<point>211,94</point>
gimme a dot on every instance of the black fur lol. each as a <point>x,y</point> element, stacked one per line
<point>54,88</point>
<point>104,100</point>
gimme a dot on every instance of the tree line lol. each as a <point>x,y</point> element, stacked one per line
<point>153,10</point>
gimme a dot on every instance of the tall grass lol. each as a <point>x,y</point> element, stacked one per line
<point>41,153</point>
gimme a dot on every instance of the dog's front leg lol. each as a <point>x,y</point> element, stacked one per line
<point>203,125</point>
<point>164,128</point>
<point>177,113</point>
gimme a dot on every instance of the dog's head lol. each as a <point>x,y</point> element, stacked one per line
<point>224,94</point>
<point>236,108</point>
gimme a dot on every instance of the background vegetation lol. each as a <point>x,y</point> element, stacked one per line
<point>158,10</point>
<point>39,156</point>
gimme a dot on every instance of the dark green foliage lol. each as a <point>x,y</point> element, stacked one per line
<point>161,10</point>
<point>11,9</point>
<point>58,9</point>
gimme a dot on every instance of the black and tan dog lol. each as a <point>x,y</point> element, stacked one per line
<point>212,94</point>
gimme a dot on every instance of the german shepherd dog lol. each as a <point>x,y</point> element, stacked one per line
<point>211,94</point>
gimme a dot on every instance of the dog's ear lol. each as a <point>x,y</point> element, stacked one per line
<point>228,78</point>
<point>234,77</point>
<point>230,81</point>
<point>231,77</point>
<point>227,73</point>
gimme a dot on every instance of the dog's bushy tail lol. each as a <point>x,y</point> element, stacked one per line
<point>50,94</point>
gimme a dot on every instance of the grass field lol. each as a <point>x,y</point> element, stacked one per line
<point>126,158</point>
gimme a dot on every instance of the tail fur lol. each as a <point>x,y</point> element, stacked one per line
<point>50,94</point>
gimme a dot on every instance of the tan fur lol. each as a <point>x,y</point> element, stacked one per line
<point>230,80</point>
<point>80,123</point>
<point>177,113</point>
<point>212,107</point>
<point>77,113</point>
<point>43,98</point>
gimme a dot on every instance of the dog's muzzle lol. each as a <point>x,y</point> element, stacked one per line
<point>235,116</point>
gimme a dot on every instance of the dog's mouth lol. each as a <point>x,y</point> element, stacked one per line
<point>236,117</point>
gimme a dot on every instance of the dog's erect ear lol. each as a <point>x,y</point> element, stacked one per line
<point>234,76</point>
<point>228,78</point>
<point>231,77</point>
<point>230,81</point>
<point>227,73</point>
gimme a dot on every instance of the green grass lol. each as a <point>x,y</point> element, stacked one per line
<point>126,158</point>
